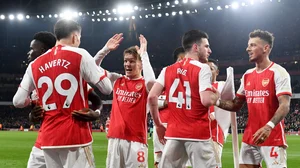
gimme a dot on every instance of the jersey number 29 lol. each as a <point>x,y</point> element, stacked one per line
<point>70,93</point>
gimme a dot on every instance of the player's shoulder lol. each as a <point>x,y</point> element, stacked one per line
<point>276,68</point>
<point>249,71</point>
<point>77,50</point>
<point>199,64</point>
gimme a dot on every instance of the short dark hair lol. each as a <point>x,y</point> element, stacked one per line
<point>214,61</point>
<point>63,28</point>
<point>264,35</point>
<point>191,37</point>
<point>132,50</point>
<point>47,38</point>
<point>176,53</point>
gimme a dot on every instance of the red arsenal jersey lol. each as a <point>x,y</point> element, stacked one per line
<point>183,82</point>
<point>261,91</point>
<point>128,114</point>
<point>58,76</point>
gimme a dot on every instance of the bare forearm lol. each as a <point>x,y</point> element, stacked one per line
<point>153,105</point>
<point>279,115</point>
<point>231,105</point>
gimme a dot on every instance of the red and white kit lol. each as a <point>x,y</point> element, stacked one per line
<point>261,91</point>
<point>188,130</point>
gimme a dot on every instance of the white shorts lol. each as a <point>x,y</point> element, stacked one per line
<point>81,157</point>
<point>218,151</point>
<point>36,158</point>
<point>274,156</point>
<point>126,154</point>
<point>177,152</point>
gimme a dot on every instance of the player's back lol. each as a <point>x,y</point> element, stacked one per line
<point>188,116</point>
<point>61,90</point>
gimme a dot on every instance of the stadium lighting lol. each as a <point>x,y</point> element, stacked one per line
<point>107,11</point>
<point>173,13</point>
<point>20,17</point>
<point>42,16</point>
<point>2,17</point>
<point>176,2</point>
<point>100,11</point>
<point>194,1</point>
<point>211,8</point>
<point>168,3</point>
<point>146,16</point>
<point>50,16</point>
<point>226,6</point>
<point>109,19</point>
<point>243,4</point>
<point>104,19</point>
<point>115,19</point>
<point>184,1</point>
<point>159,15</point>
<point>235,5</point>
<point>38,16</point>
<point>127,18</point>
<point>114,10</point>
<point>167,14</point>
<point>27,17</point>
<point>121,18</point>
<point>93,20</point>
<point>55,15</point>
<point>252,2</point>
<point>132,17</point>
<point>141,17</point>
<point>80,13</point>
<point>180,12</point>
<point>153,15</point>
<point>188,12</point>
<point>135,7</point>
<point>219,8</point>
<point>124,9</point>
<point>98,19</point>
<point>88,13</point>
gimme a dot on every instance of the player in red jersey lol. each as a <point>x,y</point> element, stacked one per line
<point>127,134</point>
<point>216,131</point>
<point>267,91</point>
<point>189,93</point>
<point>178,55</point>
<point>60,76</point>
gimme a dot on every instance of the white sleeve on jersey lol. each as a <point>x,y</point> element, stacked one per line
<point>94,74</point>
<point>113,77</point>
<point>282,82</point>
<point>205,76</point>
<point>101,54</point>
<point>241,90</point>
<point>21,98</point>
<point>147,69</point>
<point>161,77</point>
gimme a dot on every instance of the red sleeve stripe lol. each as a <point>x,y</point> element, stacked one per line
<point>284,93</point>
<point>210,89</point>
<point>90,90</point>
<point>105,75</point>
<point>240,96</point>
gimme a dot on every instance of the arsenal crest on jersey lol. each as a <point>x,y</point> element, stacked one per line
<point>265,82</point>
<point>138,86</point>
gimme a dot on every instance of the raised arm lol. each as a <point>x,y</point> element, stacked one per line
<point>147,68</point>
<point>111,45</point>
